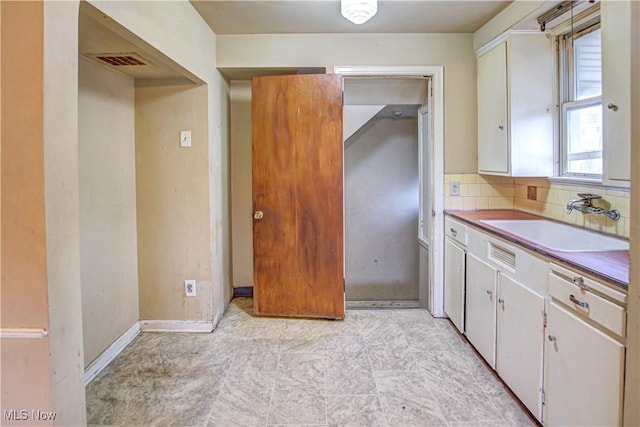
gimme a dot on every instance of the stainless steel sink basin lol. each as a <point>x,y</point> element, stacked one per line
<point>559,237</point>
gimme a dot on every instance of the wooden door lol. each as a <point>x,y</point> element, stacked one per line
<point>297,153</point>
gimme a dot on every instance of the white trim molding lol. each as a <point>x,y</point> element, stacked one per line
<point>110,353</point>
<point>23,333</point>
<point>176,326</point>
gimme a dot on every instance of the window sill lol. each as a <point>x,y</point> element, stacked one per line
<point>587,182</point>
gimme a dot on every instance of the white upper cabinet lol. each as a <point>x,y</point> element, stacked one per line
<point>615,21</point>
<point>515,106</point>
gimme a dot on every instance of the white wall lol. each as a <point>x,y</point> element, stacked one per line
<point>453,51</point>
<point>381,212</point>
<point>108,243</point>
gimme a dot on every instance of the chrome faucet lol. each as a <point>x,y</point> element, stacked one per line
<point>584,204</point>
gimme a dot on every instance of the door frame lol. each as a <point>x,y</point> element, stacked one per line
<point>434,288</point>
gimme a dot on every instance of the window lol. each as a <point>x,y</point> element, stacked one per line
<point>581,103</point>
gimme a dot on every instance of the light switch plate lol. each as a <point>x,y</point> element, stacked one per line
<point>185,138</point>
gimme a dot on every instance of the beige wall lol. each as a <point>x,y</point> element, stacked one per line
<point>176,30</point>
<point>241,195</point>
<point>173,202</point>
<point>25,364</point>
<point>62,210</point>
<point>171,28</point>
<point>453,51</point>
<point>108,244</point>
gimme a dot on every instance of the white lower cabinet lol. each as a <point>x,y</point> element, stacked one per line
<point>454,283</point>
<point>584,373</point>
<point>553,335</point>
<point>505,323</point>
<point>480,327</point>
<point>520,341</point>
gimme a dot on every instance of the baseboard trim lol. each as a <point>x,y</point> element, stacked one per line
<point>176,325</point>
<point>110,353</point>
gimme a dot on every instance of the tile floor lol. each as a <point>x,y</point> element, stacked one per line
<point>375,368</point>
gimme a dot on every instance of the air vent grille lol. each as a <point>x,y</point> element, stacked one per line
<point>502,256</point>
<point>119,59</point>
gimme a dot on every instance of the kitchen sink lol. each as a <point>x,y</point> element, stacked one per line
<point>558,236</point>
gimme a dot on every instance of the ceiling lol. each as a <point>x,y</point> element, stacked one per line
<point>323,16</point>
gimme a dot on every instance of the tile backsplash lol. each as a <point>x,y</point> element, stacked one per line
<point>497,192</point>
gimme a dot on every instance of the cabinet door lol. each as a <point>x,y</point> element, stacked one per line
<point>520,341</point>
<point>480,325</point>
<point>454,267</point>
<point>616,89</point>
<point>584,373</point>
<point>493,151</point>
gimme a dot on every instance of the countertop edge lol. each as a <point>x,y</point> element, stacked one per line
<point>555,255</point>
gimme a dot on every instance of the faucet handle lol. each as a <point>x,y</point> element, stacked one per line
<point>589,196</point>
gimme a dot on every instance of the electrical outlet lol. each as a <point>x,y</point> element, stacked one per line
<point>454,188</point>
<point>190,288</point>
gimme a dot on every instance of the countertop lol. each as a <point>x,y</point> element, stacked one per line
<point>612,266</point>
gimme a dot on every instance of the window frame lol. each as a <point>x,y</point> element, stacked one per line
<point>566,101</point>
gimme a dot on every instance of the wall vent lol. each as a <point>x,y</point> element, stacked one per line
<point>502,256</point>
<point>119,59</point>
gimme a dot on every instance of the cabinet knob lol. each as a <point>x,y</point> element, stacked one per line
<point>258,215</point>
<point>454,232</point>
<point>501,127</point>
<point>612,106</point>
<point>552,338</point>
<point>489,292</point>
<point>500,300</point>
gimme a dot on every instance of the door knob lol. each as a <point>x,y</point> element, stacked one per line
<point>258,215</point>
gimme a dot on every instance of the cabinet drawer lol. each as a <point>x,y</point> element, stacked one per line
<point>609,315</point>
<point>455,230</point>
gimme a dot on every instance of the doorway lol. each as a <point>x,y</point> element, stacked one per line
<point>382,190</point>
<point>429,226</point>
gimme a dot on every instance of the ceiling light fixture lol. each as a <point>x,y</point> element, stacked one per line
<point>358,11</point>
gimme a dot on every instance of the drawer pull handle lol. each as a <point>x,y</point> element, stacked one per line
<point>454,232</point>
<point>552,338</point>
<point>577,302</point>
<point>579,281</point>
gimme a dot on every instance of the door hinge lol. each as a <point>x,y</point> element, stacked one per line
<point>542,396</point>
<point>544,320</point>
<point>344,285</point>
